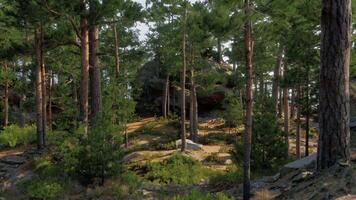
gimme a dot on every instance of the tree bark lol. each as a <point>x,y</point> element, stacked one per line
<point>292,105</point>
<point>183,73</point>
<point>334,116</point>
<point>165,97</point>
<point>286,110</point>
<point>84,74</point>
<point>117,55</point>
<point>94,72</point>
<point>249,102</point>
<point>307,116</point>
<point>6,99</point>
<point>39,93</point>
<point>43,85</point>
<point>50,84</point>
<point>275,87</point>
<point>299,110</point>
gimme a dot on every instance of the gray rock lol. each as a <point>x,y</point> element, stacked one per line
<point>13,160</point>
<point>303,177</point>
<point>304,163</point>
<point>190,145</point>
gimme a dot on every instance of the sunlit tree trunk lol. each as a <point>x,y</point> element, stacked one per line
<point>165,97</point>
<point>307,117</point>
<point>183,74</point>
<point>84,74</point>
<point>39,93</point>
<point>249,102</point>
<point>334,116</point>
<point>43,85</point>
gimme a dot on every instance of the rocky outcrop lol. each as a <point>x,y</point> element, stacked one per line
<point>190,145</point>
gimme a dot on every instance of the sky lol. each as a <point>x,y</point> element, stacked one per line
<point>142,27</point>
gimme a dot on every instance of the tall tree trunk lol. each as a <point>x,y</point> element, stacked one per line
<point>292,105</point>
<point>6,99</point>
<point>168,99</point>
<point>43,85</point>
<point>165,97</point>
<point>249,102</point>
<point>286,110</point>
<point>195,113</point>
<point>183,73</point>
<point>299,110</point>
<point>334,116</point>
<point>39,93</point>
<point>280,104</point>
<point>117,55</point>
<point>84,74</point>
<point>307,119</point>
<point>275,87</point>
<point>95,83</point>
<point>50,83</point>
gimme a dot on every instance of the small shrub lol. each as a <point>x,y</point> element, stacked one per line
<point>199,195</point>
<point>41,188</point>
<point>178,169</point>
<point>234,176</point>
<point>13,135</point>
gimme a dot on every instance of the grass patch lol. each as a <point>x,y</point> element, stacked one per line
<point>178,169</point>
<point>200,195</point>
<point>217,138</point>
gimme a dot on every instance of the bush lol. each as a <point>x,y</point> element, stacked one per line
<point>268,147</point>
<point>42,188</point>
<point>178,169</point>
<point>13,136</point>
<point>199,195</point>
<point>234,176</point>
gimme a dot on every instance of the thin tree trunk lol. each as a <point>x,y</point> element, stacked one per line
<point>95,83</point>
<point>195,113</point>
<point>299,110</point>
<point>39,94</point>
<point>165,97</point>
<point>183,73</point>
<point>6,99</point>
<point>84,74</point>
<point>249,102</point>
<point>280,104</point>
<point>275,87</point>
<point>191,105</point>
<point>292,105</point>
<point>307,118</point>
<point>168,99</point>
<point>334,116</point>
<point>43,85</point>
<point>286,110</point>
<point>126,137</point>
<point>117,55</point>
<point>50,83</point>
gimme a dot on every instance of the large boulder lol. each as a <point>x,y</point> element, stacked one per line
<point>190,145</point>
<point>304,163</point>
<point>13,160</point>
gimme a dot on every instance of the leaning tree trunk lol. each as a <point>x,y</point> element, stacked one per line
<point>6,99</point>
<point>183,73</point>
<point>275,87</point>
<point>249,102</point>
<point>334,116</point>
<point>39,94</point>
<point>84,74</point>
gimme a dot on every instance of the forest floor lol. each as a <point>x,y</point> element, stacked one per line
<point>153,140</point>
